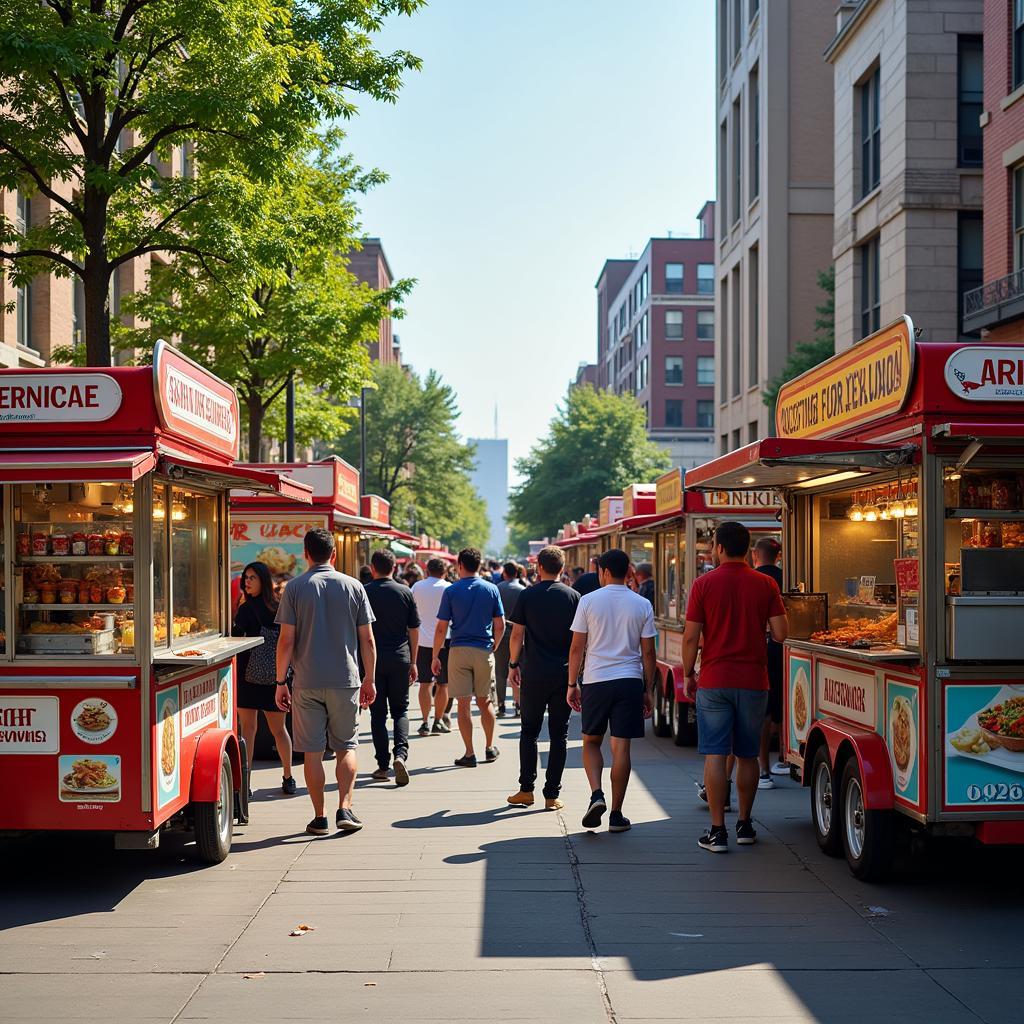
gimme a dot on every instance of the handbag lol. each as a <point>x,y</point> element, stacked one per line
<point>261,668</point>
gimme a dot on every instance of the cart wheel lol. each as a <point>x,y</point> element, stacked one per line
<point>659,722</point>
<point>242,794</point>
<point>824,805</point>
<point>867,835</point>
<point>683,733</point>
<point>213,820</point>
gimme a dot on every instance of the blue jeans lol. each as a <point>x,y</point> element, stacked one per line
<point>729,720</point>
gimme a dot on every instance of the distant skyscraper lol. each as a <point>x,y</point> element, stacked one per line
<point>490,478</point>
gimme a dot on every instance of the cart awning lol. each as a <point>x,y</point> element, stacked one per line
<point>645,522</point>
<point>75,465</point>
<point>237,475</point>
<point>1011,433</point>
<point>362,523</point>
<point>578,540</point>
<point>790,462</point>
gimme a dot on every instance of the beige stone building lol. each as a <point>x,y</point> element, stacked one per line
<point>774,104</point>
<point>908,179</point>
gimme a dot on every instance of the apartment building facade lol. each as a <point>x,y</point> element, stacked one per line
<point>908,164</point>
<point>370,265</point>
<point>656,338</point>
<point>995,305</point>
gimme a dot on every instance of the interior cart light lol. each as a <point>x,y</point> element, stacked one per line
<point>871,513</point>
<point>897,509</point>
<point>831,478</point>
<point>159,512</point>
<point>856,512</point>
<point>748,480</point>
<point>912,506</point>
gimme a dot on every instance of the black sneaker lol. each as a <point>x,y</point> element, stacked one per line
<point>500,713</point>
<point>424,729</point>
<point>703,794</point>
<point>595,812</point>
<point>318,827</point>
<point>491,754</point>
<point>745,834</point>
<point>288,786</point>
<point>346,820</point>
<point>468,761</point>
<point>618,822</point>
<point>715,840</point>
<point>442,727</point>
<point>437,730</point>
<point>515,710</point>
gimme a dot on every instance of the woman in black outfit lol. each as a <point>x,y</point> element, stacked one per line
<point>258,609</point>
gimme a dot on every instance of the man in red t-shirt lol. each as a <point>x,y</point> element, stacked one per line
<point>733,608</point>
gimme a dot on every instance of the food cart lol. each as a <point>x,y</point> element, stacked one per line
<point>901,469</point>
<point>683,530</point>
<point>117,695</point>
<point>579,542</point>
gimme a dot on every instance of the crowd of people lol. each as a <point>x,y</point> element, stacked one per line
<point>555,641</point>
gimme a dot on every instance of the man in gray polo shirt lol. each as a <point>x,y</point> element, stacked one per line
<point>325,622</point>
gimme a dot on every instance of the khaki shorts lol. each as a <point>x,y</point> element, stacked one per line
<point>325,718</point>
<point>471,673</point>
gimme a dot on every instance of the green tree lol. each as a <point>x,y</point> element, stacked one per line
<point>97,97</point>
<point>596,445</point>
<point>415,458</point>
<point>290,308</point>
<point>808,354</point>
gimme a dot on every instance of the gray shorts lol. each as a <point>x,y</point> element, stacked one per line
<point>325,717</point>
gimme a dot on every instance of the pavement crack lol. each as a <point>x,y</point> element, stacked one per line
<point>581,900</point>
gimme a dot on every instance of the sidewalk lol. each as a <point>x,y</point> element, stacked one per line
<point>451,906</point>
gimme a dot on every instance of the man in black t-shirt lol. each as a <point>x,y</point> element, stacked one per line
<point>396,631</point>
<point>588,582</point>
<point>538,664</point>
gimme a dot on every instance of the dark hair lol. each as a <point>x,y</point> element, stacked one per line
<point>436,567</point>
<point>646,568</point>
<point>266,583</point>
<point>510,569</point>
<point>493,564</point>
<point>551,559</point>
<point>383,561</point>
<point>734,539</point>
<point>365,576</point>
<point>770,548</point>
<point>470,559</point>
<point>319,544</point>
<point>616,562</point>
<point>577,570</point>
<point>521,571</point>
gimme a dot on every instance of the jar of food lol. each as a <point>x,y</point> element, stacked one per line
<point>129,592</point>
<point>127,543</point>
<point>30,595</point>
<point>47,593</point>
<point>984,493</point>
<point>60,543</point>
<point>79,544</point>
<point>991,535</point>
<point>95,593</point>
<point>40,544</point>
<point>94,544</point>
<point>112,542</point>
<point>84,592</point>
<point>1004,493</point>
<point>115,595</point>
<point>24,544</point>
<point>68,592</point>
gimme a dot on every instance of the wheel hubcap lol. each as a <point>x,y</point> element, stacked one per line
<point>224,801</point>
<point>855,818</point>
<point>823,799</point>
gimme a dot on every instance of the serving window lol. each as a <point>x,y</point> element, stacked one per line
<point>639,547</point>
<point>670,547</point>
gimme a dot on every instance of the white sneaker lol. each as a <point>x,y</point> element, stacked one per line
<point>765,782</point>
<point>780,768</point>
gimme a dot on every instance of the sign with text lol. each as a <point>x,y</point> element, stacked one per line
<point>907,575</point>
<point>29,725</point>
<point>347,487</point>
<point>611,510</point>
<point>985,373</point>
<point>193,403</point>
<point>49,397</point>
<point>668,493</point>
<point>376,508</point>
<point>199,703</point>
<point>861,385</point>
<point>846,692</point>
<point>275,540</point>
<point>744,501</point>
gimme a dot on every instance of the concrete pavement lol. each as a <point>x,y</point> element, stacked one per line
<point>451,906</point>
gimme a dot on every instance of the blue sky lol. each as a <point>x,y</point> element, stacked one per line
<point>540,138</point>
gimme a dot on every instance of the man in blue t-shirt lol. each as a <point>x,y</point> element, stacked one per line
<point>473,608</point>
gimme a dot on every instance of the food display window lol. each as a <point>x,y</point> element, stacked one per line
<point>639,547</point>
<point>671,548</point>
<point>74,568</point>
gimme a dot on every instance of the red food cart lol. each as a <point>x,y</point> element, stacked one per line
<point>117,696</point>
<point>901,469</point>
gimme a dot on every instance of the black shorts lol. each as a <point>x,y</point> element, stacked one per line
<point>424,661</point>
<point>614,703</point>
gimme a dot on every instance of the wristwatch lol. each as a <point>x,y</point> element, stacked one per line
<point>513,664</point>
<point>279,683</point>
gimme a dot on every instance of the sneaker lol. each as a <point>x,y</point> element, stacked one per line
<point>381,775</point>
<point>401,772</point>
<point>347,821</point>
<point>491,754</point>
<point>765,781</point>
<point>446,723</point>
<point>553,804</point>
<point>618,822</point>
<point>595,811</point>
<point>520,799</point>
<point>287,786</point>
<point>715,840</point>
<point>745,834</point>
<point>500,712</point>
<point>703,794</point>
<point>515,710</point>
<point>439,729</point>
<point>780,768</point>
<point>318,827</point>
<point>424,729</point>
<point>468,761</point>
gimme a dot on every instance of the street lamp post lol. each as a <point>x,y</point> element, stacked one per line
<point>289,419</point>
<point>362,441</point>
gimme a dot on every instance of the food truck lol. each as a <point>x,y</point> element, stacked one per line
<point>117,686</point>
<point>901,470</point>
<point>682,530</point>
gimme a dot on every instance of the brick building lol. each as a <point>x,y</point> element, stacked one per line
<point>656,338</point>
<point>370,266</point>
<point>995,306</point>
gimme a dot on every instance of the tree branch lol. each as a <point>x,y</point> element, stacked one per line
<point>147,149</point>
<point>199,197</point>
<point>141,250</point>
<point>47,254</point>
<point>41,183</point>
<point>61,11</point>
<point>133,78</point>
<point>131,8</point>
<point>69,109</point>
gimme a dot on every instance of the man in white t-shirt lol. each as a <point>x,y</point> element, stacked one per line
<point>427,595</point>
<point>615,628</point>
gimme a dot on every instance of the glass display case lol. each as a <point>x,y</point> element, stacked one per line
<point>669,588</point>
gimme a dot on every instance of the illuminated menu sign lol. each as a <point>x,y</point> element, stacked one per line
<point>668,493</point>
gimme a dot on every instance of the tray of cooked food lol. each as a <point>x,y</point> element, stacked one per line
<point>66,638</point>
<point>860,634</point>
<point>1002,725</point>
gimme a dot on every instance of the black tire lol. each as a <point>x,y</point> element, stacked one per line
<point>684,732</point>
<point>659,720</point>
<point>867,835</point>
<point>825,816</point>
<point>213,820</point>
<point>242,793</point>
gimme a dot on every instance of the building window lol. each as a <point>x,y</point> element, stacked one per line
<point>705,325</point>
<point>705,413</point>
<point>673,369</point>
<point>734,327</point>
<point>754,318</point>
<point>674,278</point>
<point>1018,218</point>
<point>23,294</point>
<point>705,279</point>
<point>736,439</point>
<point>737,170</point>
<point>723,444</point>
<point>754,102</point>
<point>755,6</point>
<point>673,412</point>
<point>737,26</point>
<point>970,83</point>
<point>722,346</point>
<point>642,375</point>
<point>78,312</point>
<point>673,325</point>
<point>968,257</point>
<point>870,134</point>
<point>706,371</point>
<point>1018,43</point>
<point>752,432</point>
<point>643,285</point>
<point>723,165</point>
<point>870,307</point>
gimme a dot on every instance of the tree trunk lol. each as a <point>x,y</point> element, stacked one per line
<point>96,291</point>
<point>255,406</point>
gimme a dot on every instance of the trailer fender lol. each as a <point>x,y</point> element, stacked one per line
<point>672,682</point>
<point>844,741</point>
<point>206,767</point>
